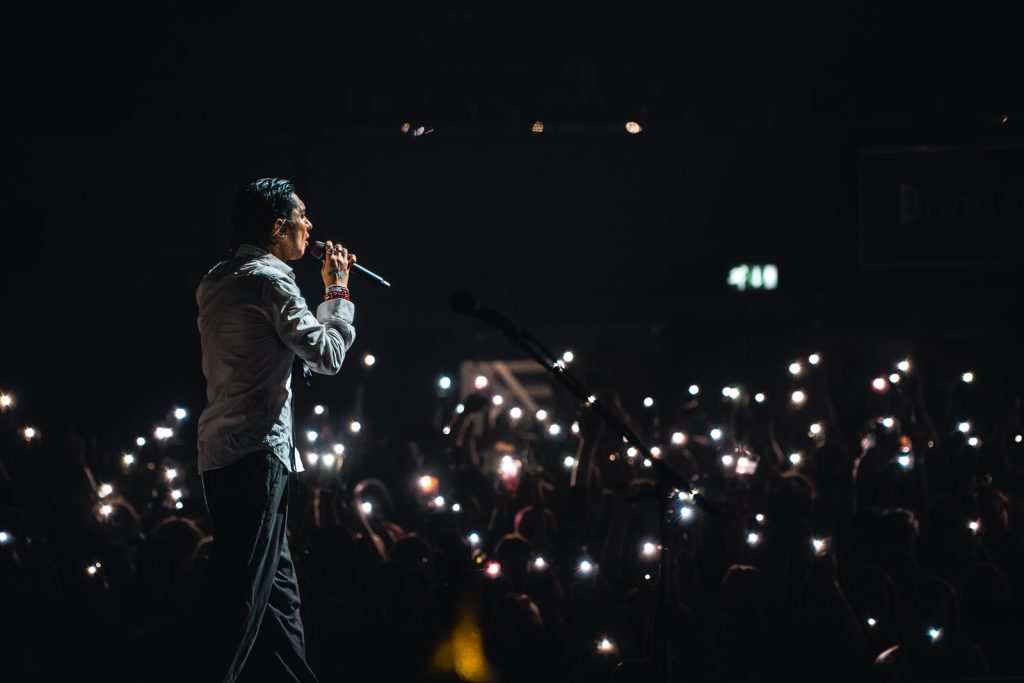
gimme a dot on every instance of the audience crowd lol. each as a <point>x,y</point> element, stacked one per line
<point>857,530</point>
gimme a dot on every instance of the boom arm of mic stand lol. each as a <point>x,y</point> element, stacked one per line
<point>667,477</point>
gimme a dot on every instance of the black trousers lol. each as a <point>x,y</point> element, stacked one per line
<point>250,627</point>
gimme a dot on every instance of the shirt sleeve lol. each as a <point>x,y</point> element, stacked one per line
<point>321,340</point>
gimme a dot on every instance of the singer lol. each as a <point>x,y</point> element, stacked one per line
<point>253,322</point>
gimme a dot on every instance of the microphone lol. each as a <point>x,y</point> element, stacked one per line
<point>318,251</point>
<point>465,303</point>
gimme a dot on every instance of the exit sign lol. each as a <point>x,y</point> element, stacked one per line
<point>744,276</point>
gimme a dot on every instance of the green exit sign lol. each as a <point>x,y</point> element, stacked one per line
<point>762,276</point>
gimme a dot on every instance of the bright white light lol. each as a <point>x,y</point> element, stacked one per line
<point>648,462</point>
<point>631,452</point>
<point>728,461</point>
<point>678,438</point>
<point>509,466</point>
<point>686,513</point>
<point>586,567</point>
<point>649,549</point>
<point>716,433</point>
<point>632,127</point>
<point>694,390</point>
<point>480,382</point>
<point>318,409</point>
<point>964,427</point>
<point>170,473</point>
<point>798,397</point>
<point>311,436</point>
<point>759,397</point>
<point>312,458</point>
<point>606,646</point>
<point>5,538</point>
<point>328,460</point>
<point>105,510</point>
<point>871,622</point>
<point>140,441</point>
<point>474,539</point>
<point>180,413</point>
<point>655,451</point>
<point>439,502</point>
<point>427,484</point>
<point>163,433</point>
<point>974,525</point>
<point>795,458</point>
<point>338,449</point>
<point>456,507</point>
<point>369,359</point>
<point>1018,438</point>
<point>879,384</point>
<point>903,366</point>
<point>568,356</point>
<point>6,401</point>
<point>540,563</point>
<point>753,538</point>
<point>894,378</point>
<point>820,545</point>
<point>814,359</point>
<point>591,400</point>
<point>355,427</point>
<point>444,383</point>
<point>904,461</point>
<point>92,569</point>
<point>569,462</point>
<point>815,429</point>
<point>734,393</point>
<point>460,409</point>
<point>745,465</point>
<point>493,570</point>
<point>888,422</point>
<point>497,399</point>
<point>542,415</point>
<point>973,441</point>
<point>128,459</point>
<point>795,369</point>
<point>515,413</point>
<point>575,427</point>
<point>105,490</point>
<point>366,507</point>
<point>759,517</point>
<point>967,377</point>
<point>176,494</point>
<point>554,430</point>
<point>934,633</point>
<point>648,402</point>
<point>647,577</point>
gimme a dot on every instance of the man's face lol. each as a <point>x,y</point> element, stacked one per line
<point>295,237</point>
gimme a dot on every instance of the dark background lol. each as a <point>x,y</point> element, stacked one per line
<point>127,136</point>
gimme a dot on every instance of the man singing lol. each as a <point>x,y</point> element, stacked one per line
<point>253,322</point>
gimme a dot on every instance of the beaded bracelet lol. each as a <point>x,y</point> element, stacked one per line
<point>337,292</point>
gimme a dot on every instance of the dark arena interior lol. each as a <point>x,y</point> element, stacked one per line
<point>699,360</point>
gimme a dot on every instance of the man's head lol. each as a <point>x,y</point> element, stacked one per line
<point>268,214</point>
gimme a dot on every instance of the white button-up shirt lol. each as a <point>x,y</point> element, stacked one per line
<point>253,321</point>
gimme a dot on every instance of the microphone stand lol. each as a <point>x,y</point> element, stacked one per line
<point>667,479</point>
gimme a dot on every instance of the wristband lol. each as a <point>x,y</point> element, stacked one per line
<point>337,292</point>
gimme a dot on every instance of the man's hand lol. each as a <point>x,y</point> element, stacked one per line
<point>337,261</point>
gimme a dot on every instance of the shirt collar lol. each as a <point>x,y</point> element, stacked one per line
<point>252,251</point>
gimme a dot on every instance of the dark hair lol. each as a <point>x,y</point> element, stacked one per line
<point>258,205</point>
